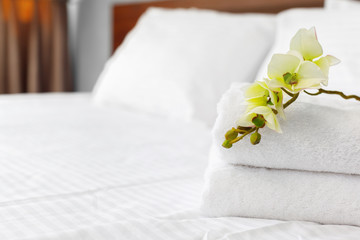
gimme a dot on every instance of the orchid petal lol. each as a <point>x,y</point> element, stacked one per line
<point>332,60</point>
<point>305,42</point>
<point>311,83</point>
<point>255,102</point>
<point>246,120</point>
<point>281,64</point>
<point>277,99</point>
<point>255,90</point>
<point>324,65</point>
<point>276,83</point>
<point>272,122</point>
<point>276,96</point>
<point>262,110</point>
<point>310,75</point>
<point>296,54</point>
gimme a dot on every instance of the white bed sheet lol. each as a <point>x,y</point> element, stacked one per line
<point>70,170</point>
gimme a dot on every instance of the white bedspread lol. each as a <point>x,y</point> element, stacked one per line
<point>69,170</point>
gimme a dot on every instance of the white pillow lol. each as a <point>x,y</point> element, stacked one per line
<point>177,63</point>
<point>342,5</point>
<point>338,33</point>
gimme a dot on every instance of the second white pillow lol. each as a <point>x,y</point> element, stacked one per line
<point>338,33</point>
<point>177,63</point>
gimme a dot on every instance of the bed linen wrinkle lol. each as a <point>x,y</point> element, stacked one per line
<point>93,193</point>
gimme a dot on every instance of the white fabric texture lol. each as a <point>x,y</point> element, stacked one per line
<point>321,138</point>
<point>280,194</point>
<point>342,4</point>
<point>178,63</point>
<point>338,33</point>
<point>289,176</point>
<point>73,171</point>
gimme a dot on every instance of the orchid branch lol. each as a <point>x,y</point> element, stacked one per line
<point>303,67</point>
<point>341,94</point>
<point>247,130</point>
<point>293,99</point>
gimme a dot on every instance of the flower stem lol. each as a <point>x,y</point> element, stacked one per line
<point>341,94</point>
<point>240,131</point>
<point>293,99</point>
<point>242,136</point>
<point>287,92</point>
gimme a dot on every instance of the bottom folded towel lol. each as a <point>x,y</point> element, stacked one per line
<point>280,194</point>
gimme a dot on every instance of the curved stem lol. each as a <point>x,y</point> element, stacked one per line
<point>287,92</point>
<point>293,99</point>
<point>312,94</point>
<point>242,136</point>
<point>341,94</point>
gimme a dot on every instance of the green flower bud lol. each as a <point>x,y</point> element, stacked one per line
<point>227,144</point>
<point>255,138</point>
<point>259,121</point>
<point>231,134</point>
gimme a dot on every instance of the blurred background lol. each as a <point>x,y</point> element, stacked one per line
<point>53,45</point>
<point>62,45</point>
<point>90,27</point>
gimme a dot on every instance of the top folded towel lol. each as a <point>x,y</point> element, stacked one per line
<point>316,137</point>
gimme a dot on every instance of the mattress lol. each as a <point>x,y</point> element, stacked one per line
<point>72,170</point>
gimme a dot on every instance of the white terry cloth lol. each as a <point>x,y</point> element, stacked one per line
<point>328,198</point>
<point>316,137</point>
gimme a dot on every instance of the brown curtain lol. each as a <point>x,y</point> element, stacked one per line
<point>34,55</point>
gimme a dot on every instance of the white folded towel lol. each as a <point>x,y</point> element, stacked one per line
<point>320,138</point>
<point>280,194</point>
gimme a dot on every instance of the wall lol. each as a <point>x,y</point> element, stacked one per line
<point>90,25</point>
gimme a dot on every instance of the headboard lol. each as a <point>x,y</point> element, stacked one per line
<point>125,16</point>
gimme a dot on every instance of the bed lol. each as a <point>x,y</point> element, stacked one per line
<point>73,168</point>
<point>70,176</point>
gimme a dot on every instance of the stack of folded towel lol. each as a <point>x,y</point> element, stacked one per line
<point>310,172</point>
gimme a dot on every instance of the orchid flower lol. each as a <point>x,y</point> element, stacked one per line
<point>306,43</point>
<point>259,94</point>
<point>259,117</point>
<point>301,68</point>
<point>297,70</point>
<point>290,71</point>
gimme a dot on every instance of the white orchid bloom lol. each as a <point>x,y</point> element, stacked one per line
<point>259,94</point>
<point>305,42</point>
<point>264,112</point>
<point>291,72</point>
